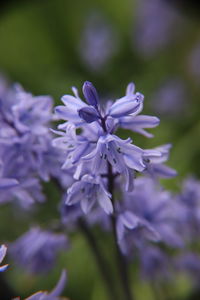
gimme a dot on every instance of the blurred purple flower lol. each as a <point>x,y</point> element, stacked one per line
<point>189,199</point>
<point>171,98</point>
<point>157,24</point>
<point>37,249</point>
<point>148,212</point>
<point>194,62</point>
<point>155,264</point>
<point>98,44</point>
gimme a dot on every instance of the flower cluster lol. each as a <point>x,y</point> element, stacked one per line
<point>102,180</point>
<point>26,152</point>
<point>97,147</point>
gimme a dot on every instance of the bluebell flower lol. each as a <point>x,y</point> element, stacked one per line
<point>98,43</point>
<point>3,250</point>
<point>26,153</point>
<point>194,62</point>
<point>155,160</point>
<point>170,99</point>
<point>148,213</point>
<point>155,24</point>
<point>189,199</point>
<point>55,293</point>
<point>89,191</point>
<point>154,264</point>
<point>121,154</point>
<point>89,152</point>
<point>37,249</point>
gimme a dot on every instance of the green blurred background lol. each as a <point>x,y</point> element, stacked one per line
<point>44,45</point>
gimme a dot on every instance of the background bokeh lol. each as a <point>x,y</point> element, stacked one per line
<point>49,46</point>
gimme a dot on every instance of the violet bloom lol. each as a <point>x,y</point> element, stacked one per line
<point>3,250</point>
<point>55,293</point>
<point>155,160</point>
<point>26,152</point>
<point>189,199</point>
<point>170,98</point>
<point>154,264</point>
<point>148,213</point>
<point>97,143</point>
<point>36,250</point>
<point>88,191</point>
<point>98,43</point>
<point>157,24</point>
<point>194,62</point>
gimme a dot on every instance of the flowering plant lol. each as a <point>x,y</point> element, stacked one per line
<point>103,181</point>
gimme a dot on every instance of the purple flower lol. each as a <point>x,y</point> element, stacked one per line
<point>89,114</point>
<point>3,250</point>
<point>194,62</point>
<point>98,43</point>
<point>90,151</point>
<point>157,24</point>
<point>89,191</point>
<point>154,264</point>
<point>121,154</point>
<point>55,293</point>
<point>148,213</point>
<point>189,199</point>
<point>154,160</point>
<point>90,94</point>
<point>36,250</point>
<point>26,152</point>
<point>170,98</point>
<point>128,105</point>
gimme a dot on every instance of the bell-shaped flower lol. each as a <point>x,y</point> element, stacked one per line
<point>155,162</point>
<point>121,154</point>
<point>89,191</point>
<point>150,213</point>
<point>131,103</point>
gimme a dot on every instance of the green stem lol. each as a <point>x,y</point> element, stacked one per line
<point>121,260</point>
<point>100,260</point>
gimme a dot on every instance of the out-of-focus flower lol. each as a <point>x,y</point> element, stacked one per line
<point>157,24</point>
<point>98,44</point>
<point>26,153</point>
<point>155,264</point>
<point>189,199</point>
<point>148,212</point>
<point>171,98</point>
<point>36,250</point>
<point>3,250</point>
<point>194,62</point>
